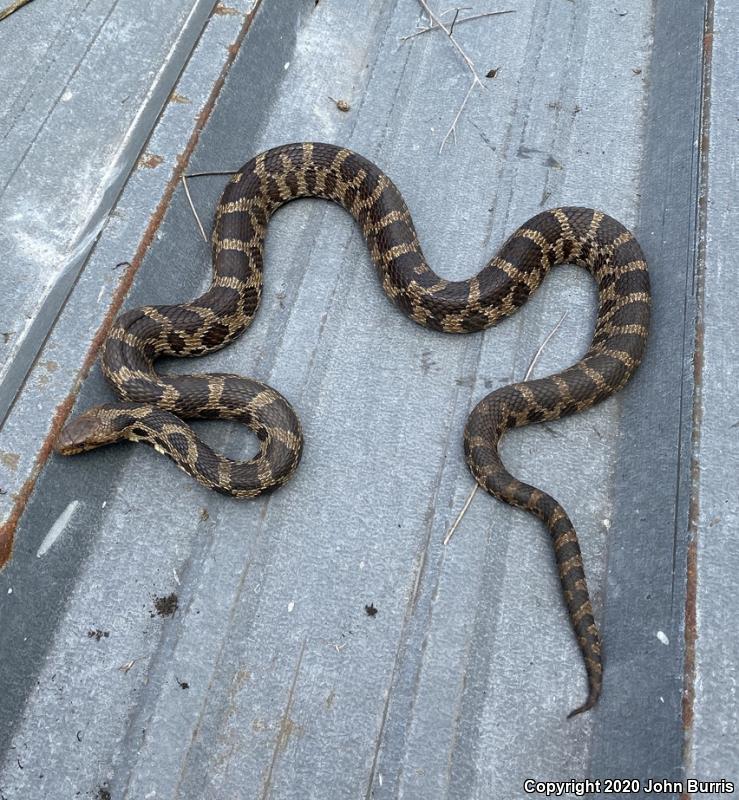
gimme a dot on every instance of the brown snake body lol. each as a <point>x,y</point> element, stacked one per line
<point>155,405</point>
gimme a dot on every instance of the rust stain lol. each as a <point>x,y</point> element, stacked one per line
<point>241,678</point>
<point>287,729</point>
<point>691,580</point>
<point>7,530</point>
<point>150,161</point>
<point>691,589</point>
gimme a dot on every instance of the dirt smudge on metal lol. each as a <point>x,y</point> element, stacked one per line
<point>10,460</point>
<point>166,605</point>
<point>150,161</point>
<point>222,10</point>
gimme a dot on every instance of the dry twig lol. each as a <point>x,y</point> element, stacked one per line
<point>538,353</point>
<point>453,127</point>
<point>189,197</point>
<point>458,21</point>
<point>529,370</point>
<point>467,60</point>
<point>476,80</point>
<point>211,172</point>
<point>192,206</point>
<point>456,522</point>
<point>6,12</point>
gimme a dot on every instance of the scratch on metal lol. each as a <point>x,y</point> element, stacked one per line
<point>286,726</point>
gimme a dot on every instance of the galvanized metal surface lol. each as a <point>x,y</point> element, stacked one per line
<point>270,679</point>
<point>714,740</point>
<point>646,586</point>
<point>86,80</point>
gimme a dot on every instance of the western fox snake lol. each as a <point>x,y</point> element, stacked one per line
<point>154,405</point>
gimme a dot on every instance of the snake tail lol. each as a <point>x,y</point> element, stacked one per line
<point>617,264</point>
<point>482,433</point>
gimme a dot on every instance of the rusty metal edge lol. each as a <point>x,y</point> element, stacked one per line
<point>7,531</point>
<point>698,368</point>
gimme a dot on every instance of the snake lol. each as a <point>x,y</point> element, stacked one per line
<point>153,407</point>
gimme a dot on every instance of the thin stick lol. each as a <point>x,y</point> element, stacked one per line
<point>459,21</point>
<point>189,197</point>
<point>192,206</point>
<point>6,12</point>
<point>456,522</point>
<point>467,59</point>
<point>211,172</point>
<point>451,27</point>
<point>476,80</point>
<point>453,127</point>
<point>537,354</point>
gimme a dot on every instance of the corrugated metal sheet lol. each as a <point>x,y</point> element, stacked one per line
<point>269,679</point>
<point>713,728</point>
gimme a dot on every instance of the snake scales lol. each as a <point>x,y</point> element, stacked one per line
<point>155,405</point>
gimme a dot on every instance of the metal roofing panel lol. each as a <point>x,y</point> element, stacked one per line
<point>270,679</point>
<point>714,734</point>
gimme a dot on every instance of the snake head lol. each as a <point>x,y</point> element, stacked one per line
<point>93,428</point>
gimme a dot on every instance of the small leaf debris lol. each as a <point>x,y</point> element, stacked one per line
<point>342,105</point>
<point>165,606</point>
